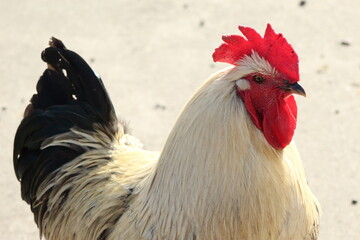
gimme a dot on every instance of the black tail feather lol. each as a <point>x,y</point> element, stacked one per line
<point>77,99</point>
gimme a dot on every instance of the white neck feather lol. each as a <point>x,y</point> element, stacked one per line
<point>217,176</point>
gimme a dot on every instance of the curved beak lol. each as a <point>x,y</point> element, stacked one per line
<point>294,88</point>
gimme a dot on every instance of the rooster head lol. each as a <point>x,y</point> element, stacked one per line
<point>269,75</point>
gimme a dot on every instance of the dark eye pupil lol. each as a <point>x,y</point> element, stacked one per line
<point>258,79</point>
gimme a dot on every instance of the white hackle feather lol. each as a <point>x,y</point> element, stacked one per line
<point>218,178</point>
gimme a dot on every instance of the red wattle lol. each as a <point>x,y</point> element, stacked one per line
<point>279,122</point>
<point>276,119</point>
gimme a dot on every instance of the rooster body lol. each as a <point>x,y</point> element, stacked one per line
<point>219,175</point>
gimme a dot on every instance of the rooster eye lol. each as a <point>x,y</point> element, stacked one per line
<point>258,79</point>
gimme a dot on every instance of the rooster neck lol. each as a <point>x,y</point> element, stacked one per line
<point>218,177</point>
<point>209,158</point>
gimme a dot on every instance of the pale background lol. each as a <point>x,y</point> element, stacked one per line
<point>152,55</point>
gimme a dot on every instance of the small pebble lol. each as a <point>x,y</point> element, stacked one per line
<point>3,109</point>
<point>302,3</point>
<point>322,69</point>
<point>344,43</point>
<point>337,112</point>
<point>354,202</point>
<point>159,106</point>
<point>355,84</point>
<point>201,23</point>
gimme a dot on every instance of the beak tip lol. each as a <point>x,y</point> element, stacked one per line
<point>297,89</point>
<point>300,92</point>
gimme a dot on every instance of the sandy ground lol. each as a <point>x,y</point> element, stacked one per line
<point>152,55</point>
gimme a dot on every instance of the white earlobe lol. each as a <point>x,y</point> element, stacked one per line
<point>243,84</point>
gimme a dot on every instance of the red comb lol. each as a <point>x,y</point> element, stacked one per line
<point>273,47</point>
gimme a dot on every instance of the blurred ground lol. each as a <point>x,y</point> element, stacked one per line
<point>152,55</point>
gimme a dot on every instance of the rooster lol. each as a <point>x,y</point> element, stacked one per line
<point>229,168</point>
